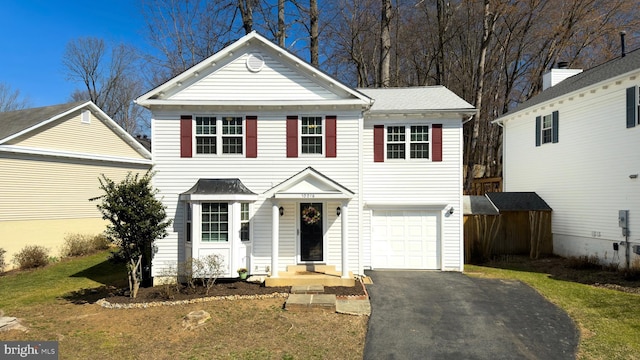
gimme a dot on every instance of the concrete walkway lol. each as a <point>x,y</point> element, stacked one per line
<point>447,315</point>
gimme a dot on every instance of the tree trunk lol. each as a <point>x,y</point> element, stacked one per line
<point>281,27</point>
<point>313,32</point>
<point>385,45</point>
<point>246,11</point>
<point>134,276</point>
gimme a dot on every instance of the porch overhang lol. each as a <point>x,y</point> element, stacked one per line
<point>219,190</point>
<point>309,184</point>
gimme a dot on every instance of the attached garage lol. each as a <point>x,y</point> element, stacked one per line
<point>406,239</point>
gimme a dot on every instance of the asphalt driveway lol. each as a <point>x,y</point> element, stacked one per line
<point>448,315</point>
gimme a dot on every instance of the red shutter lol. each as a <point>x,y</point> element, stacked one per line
<point>252,136</point>
<point>378,143</point>
<point>292,136</point>
<point>436,142</point>
<point>331,138</point>
<point>186,136</point>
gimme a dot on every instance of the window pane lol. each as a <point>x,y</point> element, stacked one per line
<point>232,145</point>
<point>312,144</point>
<point>419,151</point>
<point>420,133</point>
<point>395,133</point>
<point>214,222</point>
<point>244,211</point>
<point>547,126</point>
<point>231,125</point>
<point>311,125</point>
<point>395,151</point>
<point>205,125</point>
<point>205,145</point>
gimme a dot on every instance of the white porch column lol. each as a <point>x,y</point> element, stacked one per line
<point>344,214</point>
<point>275,231</point>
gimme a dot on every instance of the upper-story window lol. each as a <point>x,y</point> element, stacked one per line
<point>547,128</point>
<point>417,142</point>
<point>222,135</point>
<point>311,135</point>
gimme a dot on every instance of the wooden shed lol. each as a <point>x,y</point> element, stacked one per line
<point>506,223</point>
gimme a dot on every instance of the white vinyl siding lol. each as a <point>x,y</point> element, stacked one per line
<point>175,175</point>
<point>585,178</point>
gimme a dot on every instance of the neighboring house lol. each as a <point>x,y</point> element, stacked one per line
<point>51,158</point>
<point>575,144</point>
<point>269,162</point>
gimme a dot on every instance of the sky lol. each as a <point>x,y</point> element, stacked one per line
<point>34,33</point>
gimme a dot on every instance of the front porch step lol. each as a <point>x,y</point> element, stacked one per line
<point>307,289</point>
<point>297,279</point>
<point>313,268</point>
<point>311,302</point>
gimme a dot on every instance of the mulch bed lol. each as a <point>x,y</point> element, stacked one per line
<point>219,289</point>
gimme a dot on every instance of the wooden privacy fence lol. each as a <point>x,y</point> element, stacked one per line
<point>516,231</point>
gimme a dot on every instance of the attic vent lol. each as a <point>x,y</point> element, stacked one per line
<point>255,62</point>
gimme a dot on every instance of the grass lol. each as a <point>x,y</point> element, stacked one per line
<point>244,329</point>
<point>608,320</point>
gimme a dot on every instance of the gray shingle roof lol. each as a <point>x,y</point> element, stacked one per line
<point>422,98</point>
<point>219,187</point>
<point>602,72</point>
<point>518,201</point>
<point>13,122</point>
<point>478,205</point>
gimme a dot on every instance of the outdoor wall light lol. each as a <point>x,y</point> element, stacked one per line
<point>633,176</point>
<point>450,211</point>
<point>281,211</point>
<point>338,211</point>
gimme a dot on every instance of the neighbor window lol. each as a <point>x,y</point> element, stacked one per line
<point>215,222</point>
<point>244,222</point>
<point>417,142</point>
<point>311,135</point>
<point>211,141</point>
<point>547,129</point>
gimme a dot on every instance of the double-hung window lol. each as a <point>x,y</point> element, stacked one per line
<point>222,135</point>
<point>311,135</point>
<point>547,129</point>
<point>417,142</point>
<point>215,222</point>
<point>245,233</point>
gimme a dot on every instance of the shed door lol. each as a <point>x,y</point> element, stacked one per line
<point>405,240</point>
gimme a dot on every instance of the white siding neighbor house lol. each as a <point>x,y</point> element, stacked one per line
<point>51,159</point>
<point>575,145</point>
<point>269,162</point>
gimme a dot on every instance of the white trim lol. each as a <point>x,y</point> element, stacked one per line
<point>405,206</point>
<point>253,104</point>
<point>312,196</point>
<point>395,115</point>
<point>337,191</point>
<point>72,155</point>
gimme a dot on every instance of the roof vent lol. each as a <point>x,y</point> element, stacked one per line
<point>255,62</point>
<point>563,65</point>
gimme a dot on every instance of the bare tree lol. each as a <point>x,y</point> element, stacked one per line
<point>385,44</point>
<point>110,78</point>
<point>11,99</point>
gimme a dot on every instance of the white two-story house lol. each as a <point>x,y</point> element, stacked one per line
<point>575,144</point>
<point>267,161</point>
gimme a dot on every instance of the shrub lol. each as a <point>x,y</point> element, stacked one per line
<point>31,256</point>
<point>584,262</point>
<point>82,244</point>
<point>3,264</point>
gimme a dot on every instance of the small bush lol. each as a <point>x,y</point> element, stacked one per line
<point>31,256</point>
<point>82,244</point>
<point>3,264</point>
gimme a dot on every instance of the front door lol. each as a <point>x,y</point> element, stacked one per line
<point>311,234</point>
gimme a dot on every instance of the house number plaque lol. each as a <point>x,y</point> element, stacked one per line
<point>307,196</point>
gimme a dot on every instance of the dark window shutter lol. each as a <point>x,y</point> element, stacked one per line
<point>186,136</point>
<point>436,142</point>
<point>331,132</point>
<point>538,129</point>
<point>292,136</point>
<point>554,123</point>
<point>378,143</point>
<point>252,136</point>
<point>632,106</point>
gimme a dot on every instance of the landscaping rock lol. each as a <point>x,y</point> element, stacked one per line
<point>10,323</point>
<point>195,319</point>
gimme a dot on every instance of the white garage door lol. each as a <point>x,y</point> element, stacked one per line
<point>405,240</point>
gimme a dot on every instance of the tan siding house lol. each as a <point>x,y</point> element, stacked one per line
<point>51,159</point>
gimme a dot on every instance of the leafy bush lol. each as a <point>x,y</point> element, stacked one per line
<point>31,256</point>
<point>3,264</point>
<point>82,244</point>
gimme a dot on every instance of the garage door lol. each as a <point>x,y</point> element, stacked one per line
<point>405,240</point>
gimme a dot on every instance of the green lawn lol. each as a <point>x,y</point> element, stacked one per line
<point>609,320</point>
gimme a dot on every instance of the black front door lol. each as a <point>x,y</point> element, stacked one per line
<point>311,232</point>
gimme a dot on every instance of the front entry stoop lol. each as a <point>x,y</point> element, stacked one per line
<point>325,275</point>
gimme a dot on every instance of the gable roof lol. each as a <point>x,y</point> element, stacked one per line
<point>416,100</point>
<point>478,205</point>
<point>309,181</point>
<point>157,95</point>
<point>17,123</point>
<point>608,70</point>
<point>518,201</point>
